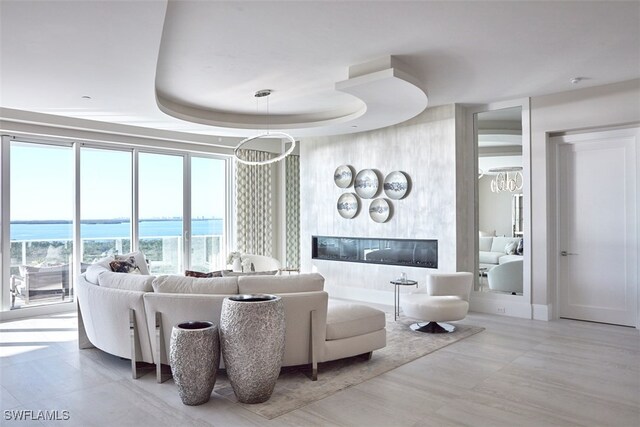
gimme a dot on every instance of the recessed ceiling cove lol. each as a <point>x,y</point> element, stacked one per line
<point>210,77</point>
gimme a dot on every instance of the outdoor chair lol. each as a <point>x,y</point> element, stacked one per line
<point>39,282</point>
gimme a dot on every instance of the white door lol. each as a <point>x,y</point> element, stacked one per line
<point>597,226</point>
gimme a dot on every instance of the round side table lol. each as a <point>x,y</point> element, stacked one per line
<point>396,294</point>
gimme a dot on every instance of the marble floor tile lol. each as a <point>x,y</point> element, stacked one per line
<point>517,372</point>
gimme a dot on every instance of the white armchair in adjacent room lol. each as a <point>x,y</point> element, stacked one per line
<point>261,262</point>
<point>445,299</point>
<point>506,277</point>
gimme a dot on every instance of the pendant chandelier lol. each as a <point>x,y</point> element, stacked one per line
<point>264,93</point>
<point>507,179</point>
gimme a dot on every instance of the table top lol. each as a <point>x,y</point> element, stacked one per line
<point>406,282</point>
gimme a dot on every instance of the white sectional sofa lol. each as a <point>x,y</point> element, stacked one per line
<point>493,251</point>
<point>507,277</point>
<point>131,316</point>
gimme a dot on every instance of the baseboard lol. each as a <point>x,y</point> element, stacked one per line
<point>22,313</point>
<point>542,312</point>
<point>501,307</point>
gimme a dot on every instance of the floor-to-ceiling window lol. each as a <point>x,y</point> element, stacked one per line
<point>160,215</point>
<point>41,229</point>
<point>106,202</point>
<point>207,213</point>
<point>170,205</point>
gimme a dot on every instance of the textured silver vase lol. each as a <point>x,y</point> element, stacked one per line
<point>194,355</point>
<point>252,341</point>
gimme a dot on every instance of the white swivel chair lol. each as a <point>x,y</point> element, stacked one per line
<point>445,299</point>
<point>506,277</point>
<point>262,263</point>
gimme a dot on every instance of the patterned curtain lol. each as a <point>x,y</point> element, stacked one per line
<point>292,213</point>
<point>254,207</point>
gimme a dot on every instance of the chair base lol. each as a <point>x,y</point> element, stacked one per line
<point>433,328</point>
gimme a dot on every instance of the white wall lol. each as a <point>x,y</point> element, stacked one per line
<point>590,108</point>
<point>425,149</point>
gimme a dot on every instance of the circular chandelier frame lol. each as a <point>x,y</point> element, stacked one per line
<point>506,182</point>
<point>268,161</point>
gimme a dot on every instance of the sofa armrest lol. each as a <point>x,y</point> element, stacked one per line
<point>105,315</point>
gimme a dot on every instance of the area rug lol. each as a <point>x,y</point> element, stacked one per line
<point>295,389</point>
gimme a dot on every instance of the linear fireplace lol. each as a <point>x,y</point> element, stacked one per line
<point>405,252</point>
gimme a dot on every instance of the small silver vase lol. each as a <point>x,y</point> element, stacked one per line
<point>194,355</point>
<point>252,331</point>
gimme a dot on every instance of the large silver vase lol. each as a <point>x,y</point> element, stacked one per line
<point>252,341</point>
<point>194,355</point>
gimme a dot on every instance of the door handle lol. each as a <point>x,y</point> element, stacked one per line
<point>565,253</point>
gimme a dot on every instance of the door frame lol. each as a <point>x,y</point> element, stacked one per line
<point>558,140</point>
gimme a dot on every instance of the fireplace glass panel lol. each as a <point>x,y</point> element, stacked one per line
<point>405,252</point>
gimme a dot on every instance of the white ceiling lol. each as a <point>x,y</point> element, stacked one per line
<point>54,53</point>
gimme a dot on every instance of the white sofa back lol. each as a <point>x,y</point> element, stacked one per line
<point>177,308</point>
<point>485,244</point>
<point>105,313</point>
<point>195,285</point>
<point>105,310</point>
<point>506,277</point>
<point>280,284</point>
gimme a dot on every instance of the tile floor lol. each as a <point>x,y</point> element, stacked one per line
<point>515,373</point>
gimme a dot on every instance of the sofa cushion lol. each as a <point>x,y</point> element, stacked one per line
<point>195,285</point>
<point>509,258</point>
<point>351,320</point>
<point>98,267</point>
<point>485,244</point>
<point>280,284</point>
<point>499,244</point>
<point>490,257</point>
<point>128,282</point>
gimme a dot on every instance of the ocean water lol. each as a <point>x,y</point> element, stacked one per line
<point>53,231</point>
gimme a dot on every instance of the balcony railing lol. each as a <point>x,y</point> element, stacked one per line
<point>163,253</point>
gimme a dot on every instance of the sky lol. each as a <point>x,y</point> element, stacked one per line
<point>42,184</point>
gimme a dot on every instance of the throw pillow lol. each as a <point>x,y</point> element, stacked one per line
<point>124,266</point>
<point>95,269</point>
<point>510,248</point>
<point>138,260</point>
<point>199,274</point>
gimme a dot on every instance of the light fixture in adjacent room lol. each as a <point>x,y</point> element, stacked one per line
<point>506,179</point>
<point>264,93</point>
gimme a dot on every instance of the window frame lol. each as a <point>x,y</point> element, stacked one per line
<point>186,154</point>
